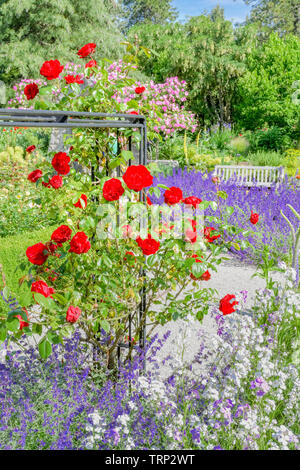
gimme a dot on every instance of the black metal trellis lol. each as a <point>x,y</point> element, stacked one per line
<point>73,119</point>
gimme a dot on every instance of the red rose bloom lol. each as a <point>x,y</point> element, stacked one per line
<point>56,182</point>
<point>42,288</point>
<point>207,234</point>
<point>134,112</point>
<point>139,90</point>
<point>62,234</point>
<point>254,218</point>
<point>34,175</point>
<point>192,200</point>
<point>173,195</point>
<point>137,177</point>
<point>83,199</point>
<point>31,90</point>
<point>60,163</point>
<point>51,69</point>
<point>80,243</point>
<point>90,64</point>
<point>73,79</point>
<point>112,189</point>
<point>227,304</point>
<point>22,322</point>
<point>86,50</point>
<point>31,148</point>
<point>73,313</point>
<point>37,254</point>
<point>149,246</point>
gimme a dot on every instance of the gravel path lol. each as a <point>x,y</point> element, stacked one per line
<point>186,336</point>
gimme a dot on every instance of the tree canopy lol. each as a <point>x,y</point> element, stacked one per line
<point>207,52</point>
<point>32,31</point>
<point>282,16</point>
<point>148,11</point>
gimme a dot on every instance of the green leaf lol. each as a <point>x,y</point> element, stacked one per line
<point>45,349</point>
<point>229,210</point>
<point>222,194</point>
<point>127,155</point>
<point>3,332</point>
<point>37,328</point>
<point>13,324</point>
<point>45,302</point>
<point>45,90</point>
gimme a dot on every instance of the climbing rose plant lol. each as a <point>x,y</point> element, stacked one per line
<point>82,276</point>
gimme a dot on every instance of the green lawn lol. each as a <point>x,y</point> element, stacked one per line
<point>12,254</point>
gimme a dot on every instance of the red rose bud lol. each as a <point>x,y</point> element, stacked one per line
<point>37,254</point>
<point>209,236</point>
<point>139,90</point>
<point>149,246</point>
<point>82,201</point>
<point>42,288</point>
<point>86,50</point>
<point>51,69</point>
<point>34,175</point>
<point>31,90</point>
<point>60,163</point>
<point>62,234</point>
<point>137,177</point>
<point>90,64</point>
<point>73,79</point>
<point>112,189</point>
<point>173,196</point>
<point>192,200</point>
<point>130,256</point>
<point>254,218</point>
<point>31,148</point>
<point>73,313</point>
<point>134,112</point>
<point>149,203</point>
<point>215,179</point>
<point>80,243</point>
<point>227,304</point>
<point>22,322</point>
<point>56,182</point>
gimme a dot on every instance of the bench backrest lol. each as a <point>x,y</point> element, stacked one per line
<point>251,175</point>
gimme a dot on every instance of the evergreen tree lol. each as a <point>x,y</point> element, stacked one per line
<point>33,31</point>
<point>282,16</point>
<point>148,11</point>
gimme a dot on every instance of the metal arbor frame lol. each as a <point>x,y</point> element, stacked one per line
<point>73,119</point>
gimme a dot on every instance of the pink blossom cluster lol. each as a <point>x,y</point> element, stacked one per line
<point>169,97</point>
<point>20,100</point>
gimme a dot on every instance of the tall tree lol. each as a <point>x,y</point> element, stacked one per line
<point>282,16</point>
<point>207,52</point>
<point>148,11</point>
<point>32,31</point>
<point>265,92</point>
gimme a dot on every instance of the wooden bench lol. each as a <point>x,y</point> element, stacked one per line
<point>251,175</point>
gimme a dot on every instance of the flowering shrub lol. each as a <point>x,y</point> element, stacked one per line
<point>87,273</point>
<point>166,113</point>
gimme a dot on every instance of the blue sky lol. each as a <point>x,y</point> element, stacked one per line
<point>235,10</point>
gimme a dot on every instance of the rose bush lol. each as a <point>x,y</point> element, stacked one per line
<point>95,285</point>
